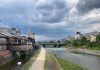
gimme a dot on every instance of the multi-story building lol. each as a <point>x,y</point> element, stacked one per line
<point>8,36</point>
<point>31,34</point>
<point>78,35</point>
<point>10,31</point>
<point>31,37</point>
<point>91,36</point>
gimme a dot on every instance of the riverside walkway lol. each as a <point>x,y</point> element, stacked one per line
<point>40,61</point>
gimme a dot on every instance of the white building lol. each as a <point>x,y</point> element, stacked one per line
<point>78,35</point>
<point>31,34</point>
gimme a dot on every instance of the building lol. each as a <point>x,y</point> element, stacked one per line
<point>31,34</point>
<point>10,31</point>
<point>78,35</point>
<point>31,37</point>
<point>91,36</point>
<point>69,38</point>
<point>23,40</point>
<point>8,36</point>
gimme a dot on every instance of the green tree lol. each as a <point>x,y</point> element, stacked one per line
<point>98,39</point>
<point>68,43</point>
<point>83,40</point>
<point>76,43</point>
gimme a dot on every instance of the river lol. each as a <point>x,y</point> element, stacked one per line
<point>91,62</point>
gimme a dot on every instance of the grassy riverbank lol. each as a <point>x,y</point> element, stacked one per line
<point>51,62</point>
<point>81,47</point>
<point>55,63</point>
<point>67,65</point>
<point>32,59</point>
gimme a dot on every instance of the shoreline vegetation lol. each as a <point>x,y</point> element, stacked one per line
<point>67,65</point>
<point>85,50</point>
<point>31,60</point>
<point>84,43</point>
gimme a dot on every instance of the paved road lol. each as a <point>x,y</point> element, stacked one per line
<point>40,61</point>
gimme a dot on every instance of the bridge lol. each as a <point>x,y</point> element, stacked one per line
<point>50,44</point>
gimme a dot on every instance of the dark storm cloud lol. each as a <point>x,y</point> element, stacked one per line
<point>52,12</point>
<point>50,18</point>
<point>85,6</point>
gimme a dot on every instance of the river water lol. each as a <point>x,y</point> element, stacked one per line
<point>91,62</point>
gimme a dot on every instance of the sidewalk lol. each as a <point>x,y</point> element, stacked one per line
<point>40,61</point>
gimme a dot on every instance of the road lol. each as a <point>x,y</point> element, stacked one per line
<point>91,62</point>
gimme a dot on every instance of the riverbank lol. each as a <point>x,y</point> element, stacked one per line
<point>51,62</point>
<point>54,62</point>
<point>88,51</point>
<point>38,64</point>
<point>91,62</point>
<point>31,60</point>
<point>67,65</point>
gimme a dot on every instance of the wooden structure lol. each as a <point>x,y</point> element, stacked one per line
<point>11,41</point>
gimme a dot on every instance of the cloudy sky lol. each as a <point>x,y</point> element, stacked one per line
<point>51,19</point>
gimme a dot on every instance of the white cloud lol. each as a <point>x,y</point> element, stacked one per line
<point>3,25</point>
<point>59,25</point>
<point>72,3</point>
<point>43,38</point>
<point>94,14</point>
<point>4,2</point>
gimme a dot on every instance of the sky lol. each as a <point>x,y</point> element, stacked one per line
<point>51,19</point>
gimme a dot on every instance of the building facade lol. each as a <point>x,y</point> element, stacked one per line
<point>78,35</point>
<point>8,36</point>
<point>91,36</point>
<point>31,37</point>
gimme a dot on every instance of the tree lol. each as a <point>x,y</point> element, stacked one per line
<point>76,43</point>
<point>98,39</point>
<point>83,40</point>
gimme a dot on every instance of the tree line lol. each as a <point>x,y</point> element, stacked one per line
<point>84,43</point>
